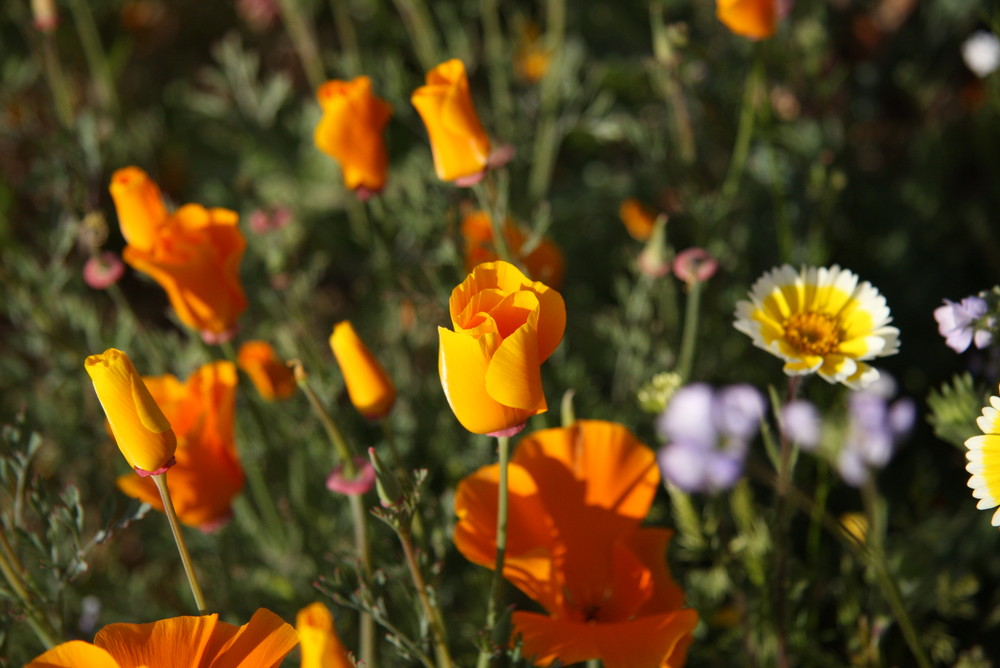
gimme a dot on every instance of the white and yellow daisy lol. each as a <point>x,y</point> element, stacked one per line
<point>819,320</point>
<point>984,460</point>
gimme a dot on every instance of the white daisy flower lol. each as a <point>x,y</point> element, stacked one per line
<point>984,460</point>
<point>819,320</point>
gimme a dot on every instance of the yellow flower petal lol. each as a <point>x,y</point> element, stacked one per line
<point>368,385</point>
<point>74,654</point>
<point>351,130</point>
<point>142,432</point>
<point>320,645</point>
<point>140,206</point>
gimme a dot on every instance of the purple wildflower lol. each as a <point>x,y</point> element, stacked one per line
<point>964,322</point>
<point>801,422</point>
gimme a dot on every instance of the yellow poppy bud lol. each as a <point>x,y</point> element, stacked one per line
<point>460,146</point>
<point>639,219</point>
<point>318,640</point>
<point>756,19</point>
<point>506,325</point>
<point>143,433</point>
<point>270,375</point>
<point>350,132</point>
<point>140,207</point>
<point>370,389</point>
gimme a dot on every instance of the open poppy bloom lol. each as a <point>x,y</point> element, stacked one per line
<point>756,19</point>
<point>506,325</point>
<point>543,260</point>
<point>368,385</point>
<point>141,430</point>
<point>269,374</point>
<point>577,496</point>
<point>194,253</point>
<point>819,320</point>
<point>208,474</point>
<point>350,132</point>
<point>179,642</point>
<point>460,146</point>
<point>320,645</point>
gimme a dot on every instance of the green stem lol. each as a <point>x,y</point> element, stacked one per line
<point>494,203</point>
<point>547,132</point>
<point>433,613</point>
<point>93,51</point>
<point>57,82</point>
<point>499,65</point>
<point>351,58</point>
<point>11,569</point>
<point>333,432</point>
<point>418,23</point>
<point>168,508</point>
<point>671,84</point>
<point>744,132</point>
<point>303,40</point>
<point>496,585</point>
<point>685,359</point>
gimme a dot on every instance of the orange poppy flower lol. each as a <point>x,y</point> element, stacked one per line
<point>193,253</point>
<point>506,325</point>
<point>577,496</point>
<point>368,385</point>
<point>179,642</point>
<point>460,146</point>
<point>141,430</point>
<point>756,19</point>
<point>531,58</point>
<point>320,644</point>
<point>639,219</point>
<point>269,374</point>
<point>350,132</point>
<point>208,474</point>
<point>544,261</point>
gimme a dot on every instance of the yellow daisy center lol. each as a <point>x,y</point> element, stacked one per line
<point>812,333</point>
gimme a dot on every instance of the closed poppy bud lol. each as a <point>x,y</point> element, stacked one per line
<point>270,375</point>
<point>318,640</point>
<point>638,218</point>
<point>505,326</point>
<point>369,387</point>
<point>143,433</point>
<point>194,253</point>
<point>350,132</point>
<point>460,146</point>
<point>756,19</point>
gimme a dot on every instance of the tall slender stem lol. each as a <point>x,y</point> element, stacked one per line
<point>496,586</point>
<point>418,24</point>
<point>494,203</point>
<point>93,51</point>
<point>168,508</point>
<point>499,65</point>
<point>433,613</point>
<point>547,133</point>
<point>744,132</point>
<point>351,53</point>
<point>303,40</point>
<point>685,359</point>
<point>11,569</point>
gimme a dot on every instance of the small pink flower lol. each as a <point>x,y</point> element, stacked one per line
<point>102,271</point>
<point>695,265</point>
<point>270,219</point>
<point>216,338</point>
<point>361,483</point>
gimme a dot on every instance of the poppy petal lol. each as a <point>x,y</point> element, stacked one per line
<point>74,654</point>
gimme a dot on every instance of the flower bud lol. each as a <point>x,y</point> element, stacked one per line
<point>390,491</point>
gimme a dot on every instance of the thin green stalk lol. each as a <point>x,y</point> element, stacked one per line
<point>356,502</point>
<point>494,203</point>
<point>124,306</point>
<point>671,84</point>
<point>434,618</point>
<point>93,51</point>
<point>303,40</point>
<point>499,64</point>
<point>685,359</point>
<point>547,132</point>
<point>168,508</point>
<point>496,586</point>
<point>417,20</point>
<point>11,569</point>
<point>351,53</point>
<point>57,82</point>
<point>744,132</point>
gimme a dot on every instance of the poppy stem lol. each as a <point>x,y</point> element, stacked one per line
<point>548,134</point>
<point>168,508</point>
<point>495,206</point>
<point>690,333</point>
<point>434,618</point>
<point>744,131</point>
<point>11,569</point>
<point>496,585</point>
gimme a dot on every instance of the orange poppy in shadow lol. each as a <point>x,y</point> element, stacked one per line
<point>543,260</point>
<point>208,474</point>
<point>577,497</point>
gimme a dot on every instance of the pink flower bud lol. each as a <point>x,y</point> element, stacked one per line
<point>695,265</point>
<point>102,271</point>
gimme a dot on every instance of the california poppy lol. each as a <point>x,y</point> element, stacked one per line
<point>506,325</point>
<point>368,385</point>
<point>350,132</point>
<point>543,260</point>
<point>179,642</point>
<point>269,374</point>
<point>321,646</point>
<point>143,433</point>
<point>639,219</point>
<point>756,19</point>
<point>577,496</point>
<point>460,146</point>
<point>194,253</point>
<point>208,474</point>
